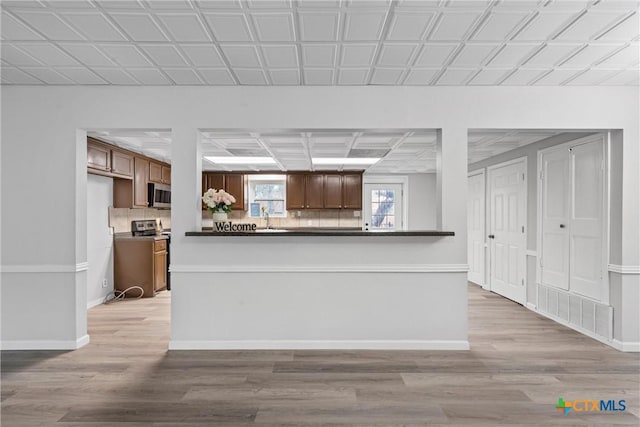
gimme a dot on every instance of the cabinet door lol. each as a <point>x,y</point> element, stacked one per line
<point>352,191</point>
<point>332,191</point>
<point>234,185</point>
<point>155,172</point>
<point>121,163</point>
<point>295,191</point>
<point>98,156</point>
<point>314,191</point>
<point>140,181</point>
<point>215,181</point>
<point>159,270</point>
<point>166,174</point>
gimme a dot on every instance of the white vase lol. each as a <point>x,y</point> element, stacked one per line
<point>219,216</point>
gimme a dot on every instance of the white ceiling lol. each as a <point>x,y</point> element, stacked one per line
<point>306,42</point>
<point>402,151</point>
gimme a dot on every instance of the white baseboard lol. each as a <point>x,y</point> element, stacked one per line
<point>631,347</point>
<point>45,344</point>
<point>531,306</point>
<point>319,345</point>
<point>95,302</point>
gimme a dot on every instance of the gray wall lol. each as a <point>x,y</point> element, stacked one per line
<point>422,201</point>
<point>531,153</point>
<point>99,239</point>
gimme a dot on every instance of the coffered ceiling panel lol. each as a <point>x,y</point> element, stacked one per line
<point>280,56</point>
<point>116,76</point>
<point>274,27</point>
<point>48,54</point>
<point>251,76</point>
<point>164,55</point>
<point>332,42</point>
<point>499,25</point>
<point>285,77</point>
<point>217,77</point>
<point>420,77</point>
<point>149,76</point>
<point>187,27</point>
<point>125,55</point>
<point>361,25</point>
<point>140,27</point>
<point>409,26</point>
<point>319,26</point>
<point>523,76</point>
<point>13,29</point>
<point>435,55</point>
<point>94,26</point>
<point>203,55</point>
<point>241,55</point>
<point>473,54</point>
<point>355,77</point>
<point>229,27</point>
<point>183,76</point>
<point>48,76</point>
<point>397,55</point>
<point>49,25</point>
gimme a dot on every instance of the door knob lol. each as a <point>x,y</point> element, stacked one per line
<point>491,236</point>
<point>561,225</point>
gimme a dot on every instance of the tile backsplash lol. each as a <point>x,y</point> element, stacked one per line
<point>120,218</point>
<point>297,219</point>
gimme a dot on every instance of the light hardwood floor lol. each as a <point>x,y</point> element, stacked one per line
<point>519,365</point>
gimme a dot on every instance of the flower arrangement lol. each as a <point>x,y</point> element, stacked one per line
<point>218,201</point>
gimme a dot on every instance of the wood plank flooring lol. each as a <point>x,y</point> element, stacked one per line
<point>518,366</point>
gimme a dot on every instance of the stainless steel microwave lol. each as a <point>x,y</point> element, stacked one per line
<point>159,195</point>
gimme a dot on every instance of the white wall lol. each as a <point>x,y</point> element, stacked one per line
<point>422,201</point>
<point>99,238</point>
<point>54,148</point>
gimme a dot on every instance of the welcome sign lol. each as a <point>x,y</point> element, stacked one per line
<point>225,227</point>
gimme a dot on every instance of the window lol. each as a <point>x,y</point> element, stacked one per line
<point>267,195</point>
<point>383,209</point>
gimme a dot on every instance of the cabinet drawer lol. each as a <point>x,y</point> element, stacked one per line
<point>160,246</point>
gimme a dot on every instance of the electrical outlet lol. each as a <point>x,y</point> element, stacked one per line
<point>105,282</point>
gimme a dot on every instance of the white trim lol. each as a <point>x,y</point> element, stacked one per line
<point>631,347</point>
<point>46,268</point>
<point>45,344</point>
<point>408,268</point>
<point>531,306</point>
<point>483,209</point>
<point>95,302</point>
<point>529,252</point>
<point>391,179</point>
<point>623,269</point>
<point>320,345</point>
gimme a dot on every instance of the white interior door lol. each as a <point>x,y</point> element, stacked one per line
<point>383,207</point>
<point>507,189</point>
<point>585,257</point>
<point>555,185</point>
<point>475,228</point>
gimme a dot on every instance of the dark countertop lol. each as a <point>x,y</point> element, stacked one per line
<point>321,232</point>
<point>129,236</point>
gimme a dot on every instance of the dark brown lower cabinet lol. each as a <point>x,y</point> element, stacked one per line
<point>140,261</point>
